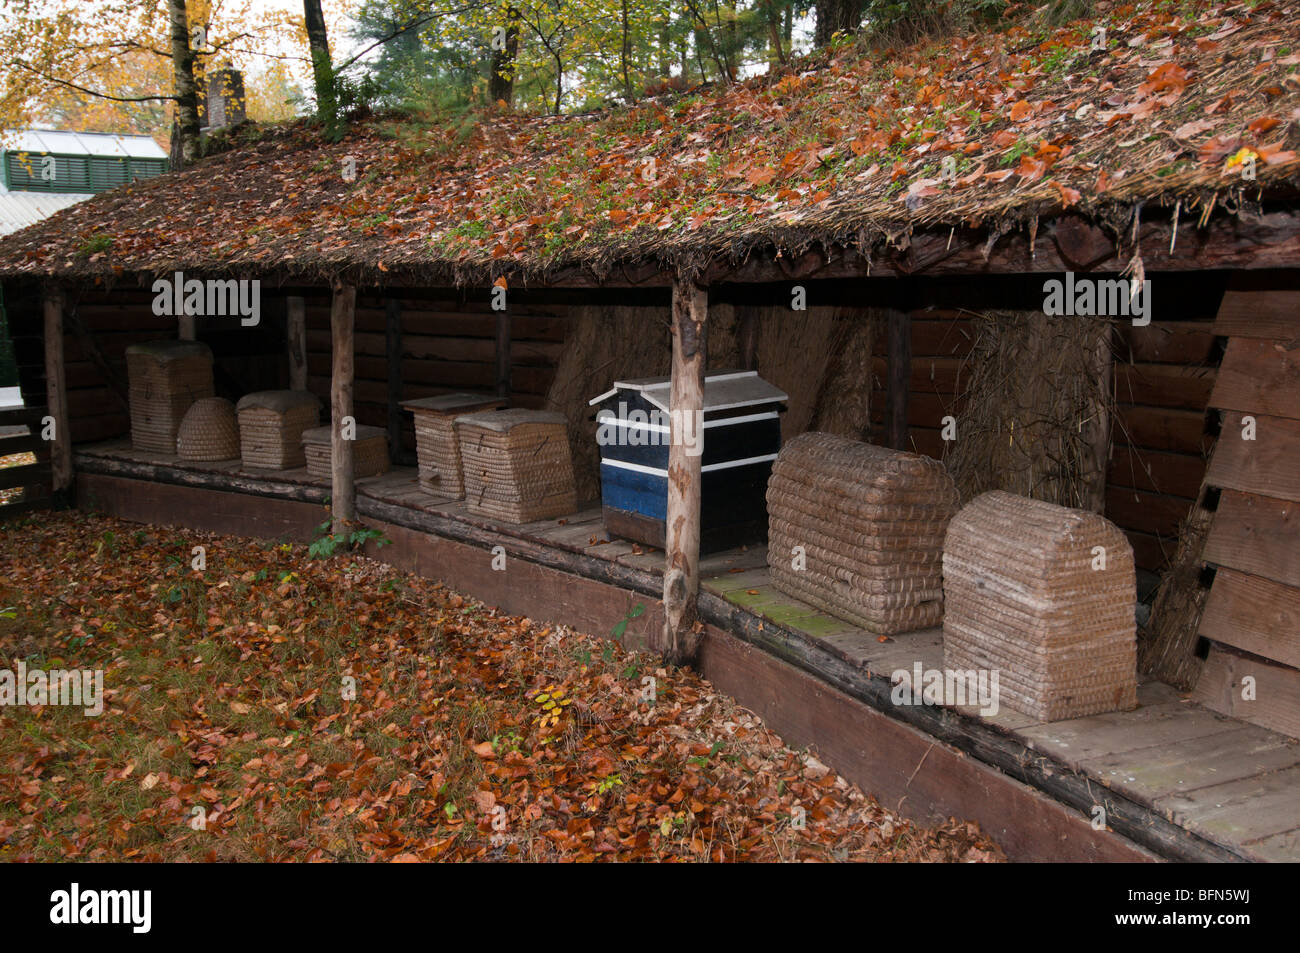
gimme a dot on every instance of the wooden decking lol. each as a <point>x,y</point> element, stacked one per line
<point>1172,776</point>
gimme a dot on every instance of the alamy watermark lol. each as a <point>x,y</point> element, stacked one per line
<point>656,428</point>
<point>78,688</point>
<point>922,686</point>
<point>1098,298</point>
<point>77,906</point>
<point>214,297</point>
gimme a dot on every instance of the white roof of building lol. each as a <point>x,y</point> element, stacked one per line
<point>20,209</point>
<point>80,143</point>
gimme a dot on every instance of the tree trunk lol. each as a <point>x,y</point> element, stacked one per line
<point>321,66</point>
<point>501,84</point>
<point>296,335</point>
<point>186,143</point>
<point>625,53</point>
<point>836,16</point>
<point>900,379</point>
<point>343,501</point>
<point>686,407</point>
<point>56,391</point>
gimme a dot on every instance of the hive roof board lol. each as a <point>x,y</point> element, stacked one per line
<point>723,390</point>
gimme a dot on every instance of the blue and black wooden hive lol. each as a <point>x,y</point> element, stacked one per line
<point>741,438</point>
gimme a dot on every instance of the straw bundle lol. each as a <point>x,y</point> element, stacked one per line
<point>516,465</point>
<point>604,343</point>
<point>210,431</point>
<point>870,522</point>
<point>166,377</point>
<point>437,451</point>
<point>369,451</point>
<point>1036,420</point>
<point>271,424</point>
<point>1025,595</point>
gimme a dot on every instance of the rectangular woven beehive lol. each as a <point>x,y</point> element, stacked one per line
<point>165,379</point>
<point>271,424</point>
<point>516,464</point>
<point>369,452</point>
<point>1045,596</point>
<point>436,448</point>
<point>857,530</point>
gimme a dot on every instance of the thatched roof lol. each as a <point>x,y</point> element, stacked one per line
<point>853,148</point>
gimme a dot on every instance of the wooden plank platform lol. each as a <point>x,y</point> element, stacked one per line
<point>1173,776</point>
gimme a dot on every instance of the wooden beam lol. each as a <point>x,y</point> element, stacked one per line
<point>56,391</point>
<point>343,500</point>
<point>503,355</point>
<point>690,314</point>
<point>1271,240</point>
<point>747,336</point>
<point>186,325</point>
<point>900,375</point>
<point>1100,426</point>
<point>296,335</point>
<point>393,350</point>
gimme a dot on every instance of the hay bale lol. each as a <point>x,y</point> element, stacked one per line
<point>1036,420</point>
<point>794,351</point>
<point>844,404</point>
<point>869,522</point>
<point>1167,643</point>
<point>604,343</point>
<point>1025,596</point>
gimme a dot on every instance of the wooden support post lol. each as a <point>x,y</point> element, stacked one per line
<point>343,500</point>
<point>503,355</point>
<point>56,391</point>
<point>296,336</point>
<point>747,336</point>
<point>686,406</point>
<point>393,348</point>
<point>900,379</point>
<point>1101,426</point>
<point>186,325</point>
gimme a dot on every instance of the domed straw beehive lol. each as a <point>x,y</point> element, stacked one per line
<point>1044,595</point>
<point>210,431</point>
<point>369,451</point>
<point>165,379</point>
<point>516,464</point>
<point>271,424</point>
<point>857,530</point>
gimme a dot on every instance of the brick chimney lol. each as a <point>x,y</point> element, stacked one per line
<point>225,97</point>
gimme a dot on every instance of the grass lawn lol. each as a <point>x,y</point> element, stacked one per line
<point>272,706</point>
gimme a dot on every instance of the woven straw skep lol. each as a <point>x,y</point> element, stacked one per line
<point>210,431</point>
<point>1025,594</point>
<point>165,379</point>
<point>271,424</point>
<point>516,465</point>
<point>436,446</point>
<point>870,522</point>
<point>369,452</point>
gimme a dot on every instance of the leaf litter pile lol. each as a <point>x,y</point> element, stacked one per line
<point>469,735</point>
